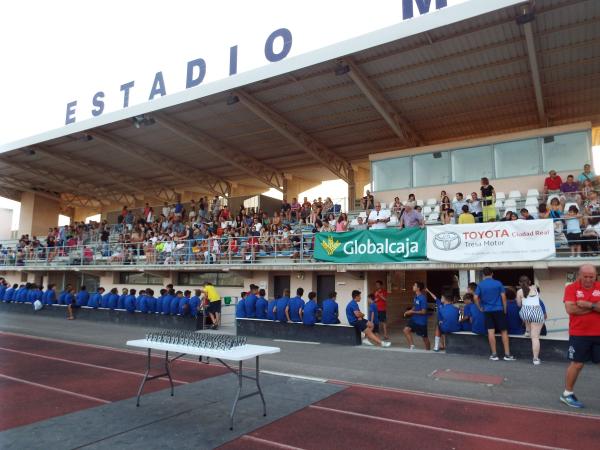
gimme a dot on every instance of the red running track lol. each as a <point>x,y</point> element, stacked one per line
<point>44,378</point>
<point>363,417</point>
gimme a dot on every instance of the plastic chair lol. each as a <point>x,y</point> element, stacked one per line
<point>426,210</point>
<point>431,202</point>
<point>514,195</point>
<point>500,196</point>
<point>533,193</point>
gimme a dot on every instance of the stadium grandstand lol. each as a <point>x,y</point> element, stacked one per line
<point>488,118</point>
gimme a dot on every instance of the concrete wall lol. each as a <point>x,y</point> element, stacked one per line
<point>6,216</point>
<point>38,213</point>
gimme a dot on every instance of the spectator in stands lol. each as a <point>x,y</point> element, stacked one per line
<point>378,218</point>
<point>531,313</point>
<point>309,313</point>
<point>543,212</point>
<point>569,191</point>
<point>417,317</point>
<point>412,202</point>
<point>412,218</point>
<point>475,207</point>
<point>330,310</point>
<point>488,200</point>
<point>261,305</point>
<point>582,303</point>
<point>556,209</point>
<point>368,201</point>
<point>214,305</point>
<point>286,210</point>
<point>514,322</point>
<point>360,224</point>
<point>445,206</point>
<point>373,313</point>
<point>296,306</point>
<point>447,318</point>
<point>250,302</point>
<point>467,313</point>
<point>573,222</point>
<point>357,319</point>
<point>240,307</point>
<point>397,207</point>
<point>552,184</point>
<point>587,175</point>
<point>381,295</point>
<point>525,214</point>
<point>490,298</point>
<point>342,223</point>
<point>283,311</point>
<point>96,298</point>
<point>459,202</point>
<point>591,236</point>
<point>466,216</point>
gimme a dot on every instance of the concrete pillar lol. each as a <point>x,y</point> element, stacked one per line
<point>38,213</point>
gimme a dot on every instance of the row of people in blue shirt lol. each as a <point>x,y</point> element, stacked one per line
<point>170,302</point>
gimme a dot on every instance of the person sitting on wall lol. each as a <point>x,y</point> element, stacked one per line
<point>330,310</point>
<point>282,312</point>
<point>309,313</point>
<point>447,319</point>
<point>261,305</point>
<point>296,306</point>
<point>357,319</point>
<point>240,307</point>
<point>95,299</point>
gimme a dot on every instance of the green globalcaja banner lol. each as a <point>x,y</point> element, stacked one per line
<point>371,246</point>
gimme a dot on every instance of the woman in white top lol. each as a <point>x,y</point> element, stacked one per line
<point>528,299</point>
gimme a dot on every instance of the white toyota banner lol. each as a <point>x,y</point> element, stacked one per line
<point>520,240</point>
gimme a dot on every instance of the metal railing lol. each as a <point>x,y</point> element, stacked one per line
<point>275,249</point>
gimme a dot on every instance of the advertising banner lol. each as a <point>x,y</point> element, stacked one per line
<point>371,246</point>
<point>520,240</point>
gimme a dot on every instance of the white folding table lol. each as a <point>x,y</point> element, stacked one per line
<point>237,354</point>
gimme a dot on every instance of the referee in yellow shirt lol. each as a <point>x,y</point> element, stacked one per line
<point>214,305</point>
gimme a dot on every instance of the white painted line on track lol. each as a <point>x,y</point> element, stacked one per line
<point>301,377</point>
<point>297,342</point>
<point>269,443</point>
<point>50,388</point>
<point>432,428</point>
<point>79,363</point>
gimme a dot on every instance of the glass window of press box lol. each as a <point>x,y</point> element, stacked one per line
<point>532,156</point>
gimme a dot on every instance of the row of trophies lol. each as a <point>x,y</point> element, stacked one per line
<point>193,339</point>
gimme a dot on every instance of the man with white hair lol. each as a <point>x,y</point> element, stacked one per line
<point>582,303</point>
<point>378,218</point>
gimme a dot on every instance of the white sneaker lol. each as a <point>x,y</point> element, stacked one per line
<point>412,347</point>
<point>537,362</point>
<point>386,344</point>
<point>527,334</point>
<point>367,342</point>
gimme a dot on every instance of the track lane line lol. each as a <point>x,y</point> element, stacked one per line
<point>79,363</point>
<point>432,428</point>
<point>465,400</point>
<point>55,389</point>
<point>258,440</point>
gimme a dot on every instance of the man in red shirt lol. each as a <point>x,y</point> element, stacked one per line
<point>552,184</point>
<point>582,303</point>
<point>381,296</point>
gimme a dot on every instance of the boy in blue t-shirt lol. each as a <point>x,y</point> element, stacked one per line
<point>296,306</point>
<point>418,317</point>
<point>272,310</point>
<point>174,309</point>
<point>240,308</point>
<point>330,310</point>
<point>184,303</point>
<point>195,303</point>
<point>9,295</point>
<point>447,319</point>
<point>130,301</point>
<point>309,314</point>
<point>96,298</point>
<point>261,305</point>
<point>357,319</point>
<point>122,297</point>
<point>250,302</point>
<point>514,322</point>
<point>113,298</point>
<point>467,313</point>
<point>50,298</point>
<point>83,297</point>
<point>150,301</point>
<point>283,311</point>
<point>373,313</point>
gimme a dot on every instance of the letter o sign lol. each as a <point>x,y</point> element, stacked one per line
<point>286,35</point>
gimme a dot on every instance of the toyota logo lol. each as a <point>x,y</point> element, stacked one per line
<point>446,240</point>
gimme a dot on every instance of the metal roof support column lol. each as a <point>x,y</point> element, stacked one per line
<point>319,152</point>
<point>526,19</point>
<point>269,175</point>
<point>399,125</point>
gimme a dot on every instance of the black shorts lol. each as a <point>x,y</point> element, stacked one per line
<point>574,238</point>
<point>375,328</point>
<point>495,320</point>
<point>214,307</point>
<point>361,324</point>
<point>584,349</point>
<point>420,330</point>
<point>382,316</point>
